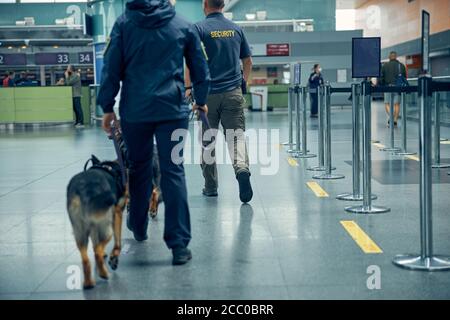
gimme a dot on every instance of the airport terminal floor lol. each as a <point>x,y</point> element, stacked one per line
<point>287,243</point>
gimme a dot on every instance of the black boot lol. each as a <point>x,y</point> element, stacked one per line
<point>245,188</point>
<point>181,256</point>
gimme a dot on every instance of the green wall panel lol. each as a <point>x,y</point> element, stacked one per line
<point>43,104</point>
<point>7,106</point>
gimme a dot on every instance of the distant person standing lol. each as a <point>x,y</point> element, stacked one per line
<point>391,73</point>
<point>73,79</point>
<point>23,80</point>
<point>8,81</point>
<point>226,47</point>
<point>315,81</point>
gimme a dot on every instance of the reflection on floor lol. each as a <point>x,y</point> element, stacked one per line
<point>287,243</point>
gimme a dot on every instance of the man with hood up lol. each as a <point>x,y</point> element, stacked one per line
<point>148,44</point>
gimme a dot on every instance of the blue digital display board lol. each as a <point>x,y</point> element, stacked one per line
<point>86,57</point>
<point>46,58</point>
<point>366,57</point>
<point>13,59</point>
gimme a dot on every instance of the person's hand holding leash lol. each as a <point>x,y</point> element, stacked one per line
<point>196,107</point>
<point>106,122</point>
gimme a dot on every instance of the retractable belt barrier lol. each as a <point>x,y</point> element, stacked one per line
<point>326,108</point>
<point>437,133</point>
<point>367,207</point>
<point>426,260</point>
<point>290,141</point>
<point>295,151</point>
<point>301,148</point>
<point>356,146</point>
<point>320,131</point>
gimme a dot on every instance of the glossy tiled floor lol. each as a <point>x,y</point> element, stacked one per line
<point>287,244</point>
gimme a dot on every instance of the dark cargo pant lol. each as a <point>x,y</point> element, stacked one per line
<point>139,140</point>
<point>227,109</point>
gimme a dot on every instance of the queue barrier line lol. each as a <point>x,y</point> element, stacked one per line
<point>317,189</point>
<point>361,238</point>
<point>445,142</point>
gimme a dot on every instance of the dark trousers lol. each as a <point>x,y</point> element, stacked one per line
<point>139,140</point>
<point>78,110</point>
<point>314,103</point>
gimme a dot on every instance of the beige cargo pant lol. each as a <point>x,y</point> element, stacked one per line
<point>226,109</point>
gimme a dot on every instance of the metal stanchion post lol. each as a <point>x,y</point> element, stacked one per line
<point>320,152</point>
<point>294,101</point>
<point>304,148</point>
<point>404,151</point>
<point>327,175</point>
<point>290,142</point>
<point>426,261</point>
<point>296,152</point>
<point>367,206</point>
<point>392,148</point>
<point>437,135</point>
<point>356,146</point>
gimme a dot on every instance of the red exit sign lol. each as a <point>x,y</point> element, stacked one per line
<point>281,49</point>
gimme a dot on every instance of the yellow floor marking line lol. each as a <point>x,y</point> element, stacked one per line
<point>317,189</point>
<point>292,162</point>
<point>415,158</point>
<point>361,238</point>
<point>445,142</point>
<point>379,145</point>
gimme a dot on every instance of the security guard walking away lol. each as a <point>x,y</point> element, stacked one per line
<point>225,46</point>
<point>146,50</point>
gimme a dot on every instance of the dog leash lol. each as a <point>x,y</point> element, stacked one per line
<point>205,123</point>
<point>114,131</point>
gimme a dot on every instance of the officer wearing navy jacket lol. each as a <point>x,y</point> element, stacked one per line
<point>147,46</point>
<point>226,47</point>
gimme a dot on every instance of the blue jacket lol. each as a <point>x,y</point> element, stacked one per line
<point>146,50</point>
<point>315,80</point>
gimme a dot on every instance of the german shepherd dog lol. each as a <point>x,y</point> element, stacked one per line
<point>96,199</point>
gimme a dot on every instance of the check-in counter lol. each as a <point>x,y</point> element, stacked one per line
<point>38,105</point>
<point>277,96</point>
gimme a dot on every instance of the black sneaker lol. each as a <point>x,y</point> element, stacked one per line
<point>210,193</point>
<point>181,256</point>
<point>245,188</point>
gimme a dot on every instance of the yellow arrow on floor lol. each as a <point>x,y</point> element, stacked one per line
<point>414,158</point>
<point>292,162</point>
<point>361,238</point>
<point>317,189</point>
<point>379,145</point>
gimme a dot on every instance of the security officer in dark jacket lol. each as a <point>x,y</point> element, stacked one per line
<point>146,50</point>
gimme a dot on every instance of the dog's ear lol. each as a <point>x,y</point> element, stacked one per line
<point>95,160</point>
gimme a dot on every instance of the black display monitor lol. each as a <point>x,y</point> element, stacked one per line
<point>88,25</point>
<point>425,41</point>
<point>366,57</point>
